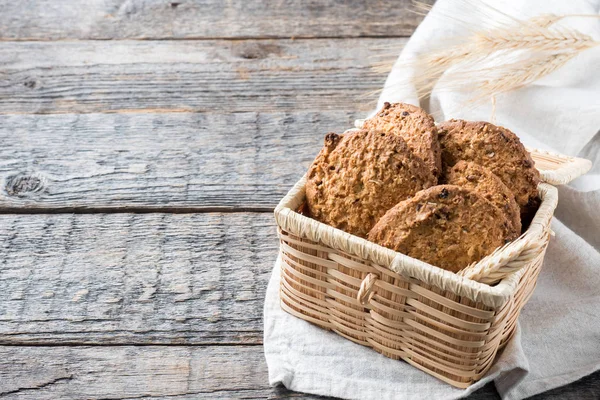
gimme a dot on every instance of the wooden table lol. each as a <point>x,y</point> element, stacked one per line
<point>144,146</point>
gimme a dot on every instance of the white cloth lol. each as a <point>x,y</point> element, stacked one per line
<point>558,339</point>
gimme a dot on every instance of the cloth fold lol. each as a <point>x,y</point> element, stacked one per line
<point>558,336</point>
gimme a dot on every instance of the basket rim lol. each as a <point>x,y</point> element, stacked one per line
<point>493,296</point>
<point>570,167</point>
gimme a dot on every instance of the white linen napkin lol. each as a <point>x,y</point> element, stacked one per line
<point>558,338</point>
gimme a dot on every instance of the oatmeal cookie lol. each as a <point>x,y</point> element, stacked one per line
<point>413,125</point>
<point>359,175</point>
<point>481,180</point>
<point>497,149</point>
<point>446,225</point>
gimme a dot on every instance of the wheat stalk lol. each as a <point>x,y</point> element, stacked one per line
<point>521,74</point>
<point>532,37</point>
<point>546,20</point>
<point>521,52</point>
<point>527,35</point>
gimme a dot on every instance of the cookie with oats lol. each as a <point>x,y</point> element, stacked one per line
<point>483,181</point>
<point>497,149</point>
<point>359,175</point>
<point>446,225</point>
<point>415,126</point>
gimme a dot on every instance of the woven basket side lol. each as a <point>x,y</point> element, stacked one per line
<point>447,335</point>
<point>299,254</point>
<point>524,291</point>
<point>511,258</point>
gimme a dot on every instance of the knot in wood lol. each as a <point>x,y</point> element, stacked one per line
<point>30,84</point>
<point>254,51</point>
<point>23,184</point>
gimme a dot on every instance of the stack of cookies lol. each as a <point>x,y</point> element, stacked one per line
<point>448,195</point>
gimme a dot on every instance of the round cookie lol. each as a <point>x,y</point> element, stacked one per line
<point>447,226</point>
<point>413,125</point>
<point>497,149</point>
<point>360,175</point>
<point>481,180</point>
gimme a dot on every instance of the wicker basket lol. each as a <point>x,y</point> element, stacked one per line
<point>448,325</point>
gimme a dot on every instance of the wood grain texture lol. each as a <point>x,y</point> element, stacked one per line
<point>184,76</point>
<point>170,372</point>
<point>128,372</point>
<point>134,278</point>
<point>166,162</point>
<point>199,19</point>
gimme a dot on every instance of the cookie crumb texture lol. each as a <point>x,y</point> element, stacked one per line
<point>497,149</point>
<point>483,181</point>
<point>447,226</point>
<point>415,126</point>
<point>360,175</point>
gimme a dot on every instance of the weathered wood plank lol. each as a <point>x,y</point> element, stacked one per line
<point>585,388</point>
<point>158,161</point>
<point>170,372</point>
<point>221,76</point>
<point>127,372</point>
<point>194,19</point>
<point>134,278</point>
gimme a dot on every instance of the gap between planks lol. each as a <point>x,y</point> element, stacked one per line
<point>135,210</point>
<point>153,344</point>
<point>223,38</point>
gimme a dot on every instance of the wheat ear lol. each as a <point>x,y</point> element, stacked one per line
<point>538,44</point>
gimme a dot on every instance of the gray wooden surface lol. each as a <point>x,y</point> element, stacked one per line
<point>128,278</point>
<point>201,19</point>
<point>144,146</point>
<point>221,76</point>
<point>159,161</point>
